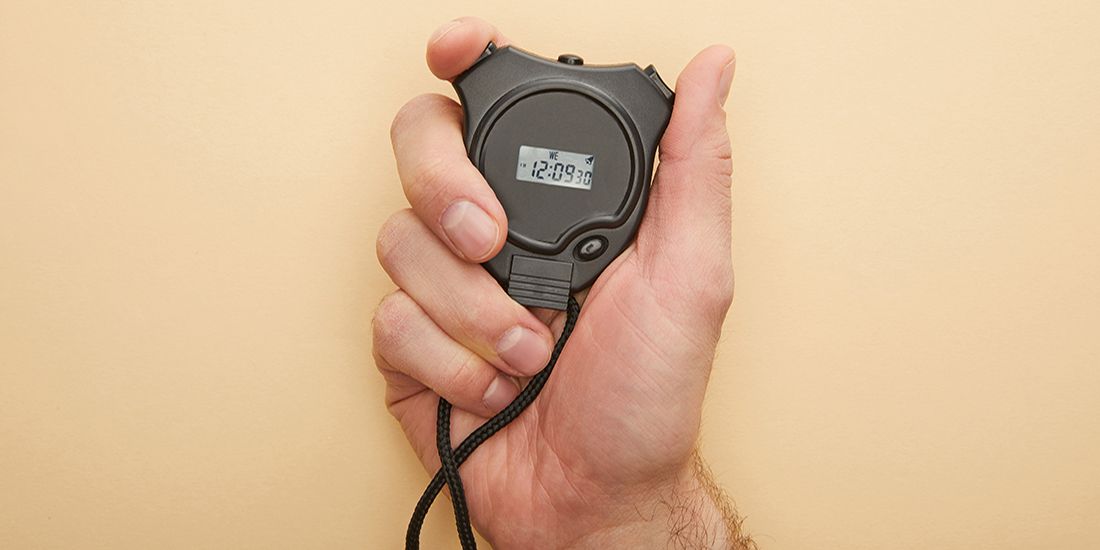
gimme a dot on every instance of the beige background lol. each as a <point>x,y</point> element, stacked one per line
<point>188,198</point>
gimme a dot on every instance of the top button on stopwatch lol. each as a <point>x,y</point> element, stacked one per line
<point>570,59</point>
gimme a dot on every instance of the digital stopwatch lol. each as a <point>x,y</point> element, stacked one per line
<point>568,149</point>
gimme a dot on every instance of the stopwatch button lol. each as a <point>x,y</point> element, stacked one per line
<point>570,59</point>
<point>490,48</point>
<point>590,248</point>
<point>651,72</point>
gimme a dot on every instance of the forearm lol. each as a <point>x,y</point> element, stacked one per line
<point>689,513</point>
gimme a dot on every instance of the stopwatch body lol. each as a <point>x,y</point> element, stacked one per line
<point>569,151</point>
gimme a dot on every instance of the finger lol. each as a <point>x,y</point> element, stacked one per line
<point>411,344</point>
<point>462,298</point>
<point>445,190</point>
<point>688,221</point>
<point>417,415</point>
<point>455,46</point>
<point>414,406</point>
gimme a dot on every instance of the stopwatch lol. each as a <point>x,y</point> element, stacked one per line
<point>568,149</point>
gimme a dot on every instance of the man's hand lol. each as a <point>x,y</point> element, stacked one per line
<point>606,456</point>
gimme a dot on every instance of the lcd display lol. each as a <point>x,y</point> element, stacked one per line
<point>554,167</point>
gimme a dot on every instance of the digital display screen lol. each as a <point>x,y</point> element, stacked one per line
<point>554,167</point>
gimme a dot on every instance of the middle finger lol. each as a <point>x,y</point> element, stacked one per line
<point>462,298</point>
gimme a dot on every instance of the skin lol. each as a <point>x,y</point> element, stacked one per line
<point>606,457</point>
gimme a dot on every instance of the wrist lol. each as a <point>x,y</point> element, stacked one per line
<point>668,517</point>
<point>685,511</point>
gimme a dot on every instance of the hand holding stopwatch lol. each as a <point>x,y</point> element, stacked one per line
<point>569,150</point>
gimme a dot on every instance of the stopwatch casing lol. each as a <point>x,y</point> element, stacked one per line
<point>569,151</point>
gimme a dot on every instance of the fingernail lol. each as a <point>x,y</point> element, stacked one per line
<point>470,229</point>
<point>442,31</point>
<point>523,350</point>
<point>502,390</point>
<point>725,81</point>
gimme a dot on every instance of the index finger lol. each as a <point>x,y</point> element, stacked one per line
<point>443,187</point>
<point>455,46</point>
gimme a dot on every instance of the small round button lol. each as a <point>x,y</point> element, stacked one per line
<point>570,59</point>
<point>590,248</point>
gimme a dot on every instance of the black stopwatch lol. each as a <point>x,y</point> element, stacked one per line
<point>568,149</point>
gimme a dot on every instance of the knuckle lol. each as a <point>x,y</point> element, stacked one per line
<point>722,151</point>
<point>712,154</point>
<point>430,180</point>
<point>472,319</point>
<point>392,319</point>
<point>466,378</point>
<point>703,144</point>
<point>393,397</point>
<point>380,363</point>
<point>411,111</point>
<point>722,154</point>
<point>392,238</point>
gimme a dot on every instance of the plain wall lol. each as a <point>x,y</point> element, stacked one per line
<point>189,193</point>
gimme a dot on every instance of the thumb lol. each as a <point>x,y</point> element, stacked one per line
<point>684,239</point>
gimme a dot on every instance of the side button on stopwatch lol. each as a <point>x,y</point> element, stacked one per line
<point>590,248</point>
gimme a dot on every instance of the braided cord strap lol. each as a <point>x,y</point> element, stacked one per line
<point>450,473</point>
<point>451,459</point>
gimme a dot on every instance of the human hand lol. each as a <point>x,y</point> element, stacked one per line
<point>606,455</point>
